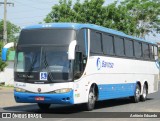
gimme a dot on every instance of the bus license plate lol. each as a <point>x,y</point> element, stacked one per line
<point>39,98</point>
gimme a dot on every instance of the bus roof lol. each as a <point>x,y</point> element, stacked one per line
<point>78,26</point>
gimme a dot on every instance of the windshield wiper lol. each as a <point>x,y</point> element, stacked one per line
<point>34,59</point>
<point>47,68</point>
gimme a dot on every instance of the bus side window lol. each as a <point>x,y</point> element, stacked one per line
<point>138,49</point>
<point>82,41</point>
<point>119,46</point>
<point>145,48</point>
<point>151,50</point>
<point>108,46</point>
<point>95,43</point>
<point>129,48</point>
<point>155,52</point>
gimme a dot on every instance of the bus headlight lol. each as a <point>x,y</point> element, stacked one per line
<point>19,89</point>
<point>65,90</point>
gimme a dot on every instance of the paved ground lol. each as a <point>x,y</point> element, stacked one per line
<point>7,104</point>
<point>7,97</point>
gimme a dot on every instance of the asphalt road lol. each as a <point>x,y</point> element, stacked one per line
<point>152,104</point>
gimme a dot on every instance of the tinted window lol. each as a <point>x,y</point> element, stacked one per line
<point>47,36</point>
<point>138,49</point>
<point>156,52</point>
<point>151,50</point>
<point>108,44</point>
<point>145,51</point>
<point>129,48</point>
<point>119,46</point>
<point>82,41</point>
<point>95,45</point>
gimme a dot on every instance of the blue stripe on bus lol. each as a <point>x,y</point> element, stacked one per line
<point>63,98</point>
<point>112,91</point>
<point>85,41</point>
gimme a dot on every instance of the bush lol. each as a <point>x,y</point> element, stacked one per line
<point>2,64</point>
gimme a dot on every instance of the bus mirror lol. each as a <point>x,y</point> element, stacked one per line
<point>71,50</point>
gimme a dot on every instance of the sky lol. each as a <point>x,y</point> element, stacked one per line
<point>29,12</point>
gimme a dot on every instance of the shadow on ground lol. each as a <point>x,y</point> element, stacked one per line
<point>72,109</point>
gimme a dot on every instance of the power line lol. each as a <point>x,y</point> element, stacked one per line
<point>26,23</point>
<point>27,17</point>
<point>44,2</point>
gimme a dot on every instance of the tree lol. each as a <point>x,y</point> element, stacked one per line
<point>2,64</point>
<point>146,14</point>
<point>61,13</point>
<point>87,12</point>
<point>118,18</point>
<point>90,12</point>
<point>12,30</point>
<point>133,17</point>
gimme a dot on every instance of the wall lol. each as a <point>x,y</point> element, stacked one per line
<point>7,75</point>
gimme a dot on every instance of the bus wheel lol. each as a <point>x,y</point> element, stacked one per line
<point>144,94</point>
<point>91,99</point>
<point>137,93</point>
<point>43,106</point>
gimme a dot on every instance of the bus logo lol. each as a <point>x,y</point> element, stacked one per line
<point>98,64</point>
<point>43,75</point>
<point>39,89</point>
<point>104,64</point>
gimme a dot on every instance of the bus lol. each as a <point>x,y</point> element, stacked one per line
<point>73,63</point>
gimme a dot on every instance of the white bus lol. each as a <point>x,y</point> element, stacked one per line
<point>71,63</point>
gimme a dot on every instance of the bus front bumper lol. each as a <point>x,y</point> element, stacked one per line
<point>62,98</point>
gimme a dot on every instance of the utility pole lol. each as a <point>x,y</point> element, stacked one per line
<point>5,3</point>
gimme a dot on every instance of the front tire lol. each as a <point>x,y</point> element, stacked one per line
<point>91,99</point>
<point>137,93</point>
<point>144,93</point>
<point>43,106</point>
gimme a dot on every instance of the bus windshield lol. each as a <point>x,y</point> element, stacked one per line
<point>43,51</point>
<point>31,61</point>
<point>55,60</point>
